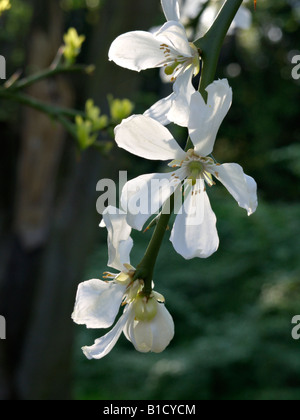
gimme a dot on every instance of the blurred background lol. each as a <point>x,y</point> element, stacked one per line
<point>232,312</point>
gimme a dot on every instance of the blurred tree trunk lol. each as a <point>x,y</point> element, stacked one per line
<point>42,144</point>
<point>52,237</point>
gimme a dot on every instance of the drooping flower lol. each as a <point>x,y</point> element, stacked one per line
<point>170,48</point>
<point>145,321</point>
<point>194,232</point>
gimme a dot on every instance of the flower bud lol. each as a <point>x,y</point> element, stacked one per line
<point>145,308</point>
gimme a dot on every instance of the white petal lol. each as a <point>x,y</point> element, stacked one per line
<point>151,336</point>
<point>141,336</point>
<point>119,241</point>
<point>174,35</point>
<point>205,119</point>
<point>160,109</point>
<point>243,19</point>
<point>147,138</point>
<point>163,329</point>
<point>137,50</point>
<point>97,303</point>
<point>171,9</point>
<point>179,112</point>
<point>105,344</point>
<point>242,187</point>
<point>145,195</point>
<point>194,233</point>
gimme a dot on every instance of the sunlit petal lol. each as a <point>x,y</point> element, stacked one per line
<point>194,233</point>
<point>206,119</point>
<point>97,303</point>
<point>242,187</point>
<point>147,138</point>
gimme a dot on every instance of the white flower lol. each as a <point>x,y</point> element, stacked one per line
<point>175,108</point>
<point>152,332</point>
<point>146,322</point>
<point>242,20</point>
<point>194,232</point>
<point>169,48</point>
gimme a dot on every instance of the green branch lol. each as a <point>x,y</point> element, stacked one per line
<point>146,267</point>
<point>46,74</point>
<point>210,46</point>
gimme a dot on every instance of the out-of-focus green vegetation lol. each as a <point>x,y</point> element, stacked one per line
<point>232,314</point>
<point>233,311</point>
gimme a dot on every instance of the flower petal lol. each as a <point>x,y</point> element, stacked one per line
<point>242,187</point>
<point>194,233</point>
<point>145,195</point>
<point>171,9</point>
<point>151,336</point>
<point>105,344</point>
<point>97,303</point>
<point>179,112</point>
<point>205,119</point>
<point>160,110</point>
<point>137,50</point>
<point>148,139</point>
<point>174,35</point>
<point>163,329</point>
<point>118,240</point>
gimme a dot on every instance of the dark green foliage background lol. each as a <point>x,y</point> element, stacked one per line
<point>233,311</point>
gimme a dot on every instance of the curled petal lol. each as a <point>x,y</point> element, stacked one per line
<point>97,303</point>
<point>242,187</point>
<point>119,241</point>
<point>105,344</point>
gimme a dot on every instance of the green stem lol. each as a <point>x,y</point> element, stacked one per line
<point>210,46</point>
<point>50,72</point>
<point>59,113</point>
<point>52,111</point>
<point>146,267</point>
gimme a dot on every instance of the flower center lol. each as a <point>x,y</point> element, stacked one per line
<point>176,63</point>
<point>199,167</point>
<point>196,169</point>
